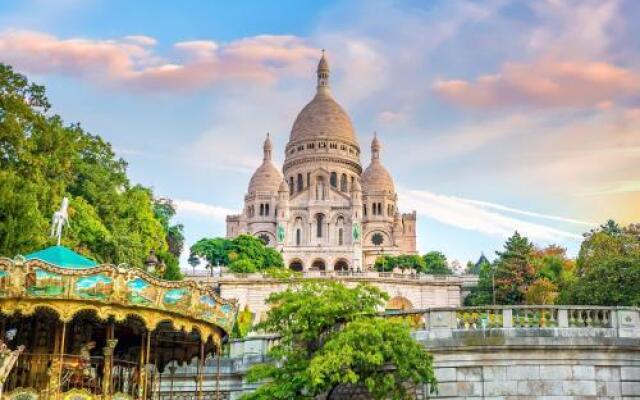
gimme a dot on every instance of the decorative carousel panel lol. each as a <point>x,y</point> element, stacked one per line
<point>78,394</point>
<point>141,292</point>
<point>22,394</point>
<point>41,282</point>
<point>94,287</point>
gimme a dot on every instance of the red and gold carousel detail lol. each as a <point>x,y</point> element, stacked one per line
<point>72,329</point>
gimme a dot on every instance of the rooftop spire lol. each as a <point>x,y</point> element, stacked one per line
<point>375,147</point>
<point>266,148</point>
<point>323,73</point>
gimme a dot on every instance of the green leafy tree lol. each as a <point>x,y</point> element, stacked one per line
<point>514,270</point>
<point>607,242</point>
<point>482,294</point>
<point>244,253</point>
<point>613,282</point>
<point>43,160</point>
<point>436,263</point>
<point>385,263</point>
<point>325,324</point>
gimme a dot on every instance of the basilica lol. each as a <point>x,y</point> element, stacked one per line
<point>323,212</point>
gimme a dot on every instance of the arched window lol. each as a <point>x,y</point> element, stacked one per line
<point>340,240</point>
<point>261,209</point>
<point>298,237</point>
<point>308,179</point>
<point>291,185</point>
<point>300,183</point>
<point>333,180</point>
<point>319,222</point>
<point>343,182</point>
<point>379,208</point>
<point>320,189</point>
<point>266,209</point>
<point>364,210</point>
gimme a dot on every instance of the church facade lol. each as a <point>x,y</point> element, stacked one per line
<point>322,211</point>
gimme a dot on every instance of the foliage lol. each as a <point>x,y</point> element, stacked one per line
<point>321,323</point>
<point>43,160</point>
<point>606,242</point>
<point>361,354</point>
<point>431,263</point>
<point>514,270</point>
<point>436,263</point>
<point>244,323</point>
<point>244,253</point>
<point>613,282</point>
<point>541,291</point>
<point>482,294</point>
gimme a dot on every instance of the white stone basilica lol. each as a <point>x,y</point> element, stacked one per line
<point>322,211</point>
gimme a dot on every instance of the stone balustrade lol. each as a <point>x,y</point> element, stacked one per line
<point>623,319</point>
<point>364,275</point>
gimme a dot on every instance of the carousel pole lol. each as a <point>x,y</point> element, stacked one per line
<point>201,371</point>
<point>61,360</point>
<point>141,366</point>
<point>146,363</point>
<point>219,349</point>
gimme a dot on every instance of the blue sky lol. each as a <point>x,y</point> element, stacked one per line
<point>494,115</point>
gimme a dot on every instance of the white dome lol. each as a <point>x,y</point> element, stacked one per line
<point>267,178</point>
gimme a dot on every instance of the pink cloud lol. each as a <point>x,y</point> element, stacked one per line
<point>546,83</point>
<point>131,61</point>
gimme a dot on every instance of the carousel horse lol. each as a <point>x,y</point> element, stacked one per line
<point>77,370</point>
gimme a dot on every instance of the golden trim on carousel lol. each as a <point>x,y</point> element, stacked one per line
<point>83,331</point>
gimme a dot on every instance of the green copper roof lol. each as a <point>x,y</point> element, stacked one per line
<point>61,256</point>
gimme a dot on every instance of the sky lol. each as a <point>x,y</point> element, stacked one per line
<point>495,116</point>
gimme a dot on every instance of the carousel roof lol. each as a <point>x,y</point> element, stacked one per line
<point>62,257</point>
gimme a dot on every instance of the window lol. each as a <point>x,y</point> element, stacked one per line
<point>319,221</point>
<point>266,209</point>
<point>264,238</point>
<point>340,237</point>
<point>333,180</point>
<point>320,189</point>
<point>291,185</point>
<point>261,209</point>
<point>298,237</point>
<point>377,239</point>
<point>308,179</point>
<point>343,182</point>
<point>364,210</point>
<point>300,183</point>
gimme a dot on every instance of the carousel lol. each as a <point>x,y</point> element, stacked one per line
<point>72,329</point>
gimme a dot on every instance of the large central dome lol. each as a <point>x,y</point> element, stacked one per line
<point>323,117</point>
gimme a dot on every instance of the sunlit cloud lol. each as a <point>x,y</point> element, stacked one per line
<point>482,217</point>
<point>545,83</point>
<point>132,60</point>
<point>188,207</point>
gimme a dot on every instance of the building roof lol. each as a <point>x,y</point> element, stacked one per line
<point>267,177</point>
<point>376,178</point>
<point>62,257</point>
<point>323,117</point>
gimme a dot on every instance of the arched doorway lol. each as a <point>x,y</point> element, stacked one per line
<point>296,265</point>
<point>341,265</point>
<point>318,265</point>
<point>399,303</point>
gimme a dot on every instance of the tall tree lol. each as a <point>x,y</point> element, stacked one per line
<point>43,160</point>
<point>514,270</point>
<point>325,327</point>
<point>436,263</point>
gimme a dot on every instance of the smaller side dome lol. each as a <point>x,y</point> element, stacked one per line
<point>267,178</point>
<point>283,187</point>
<point>376,178</point>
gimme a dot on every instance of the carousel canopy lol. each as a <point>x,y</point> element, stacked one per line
<point>62,257</point>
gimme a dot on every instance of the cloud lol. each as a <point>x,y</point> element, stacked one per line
<point>545,83</point>
<point>202,209</point>
<point>482,216</point>
<point>132,61</point>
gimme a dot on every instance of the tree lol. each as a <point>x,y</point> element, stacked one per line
<point>436,263</point>
<point>325,324</point>
<point>607,242</point>
<point>514,271</point>
<point>613,282</point>
<point>483,293</point>
<point>244,253</point>
<point>43,160</point>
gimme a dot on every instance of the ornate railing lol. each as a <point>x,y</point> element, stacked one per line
<point>544,316</point>
<point>228,276</point>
